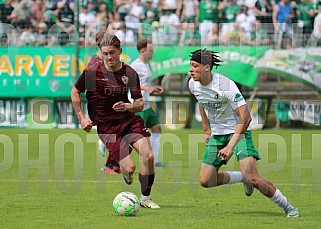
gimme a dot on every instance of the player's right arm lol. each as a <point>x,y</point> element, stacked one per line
<point>86,124</point>
<point>207,130</point>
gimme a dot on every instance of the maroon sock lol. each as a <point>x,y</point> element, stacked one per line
<point>146,183</point>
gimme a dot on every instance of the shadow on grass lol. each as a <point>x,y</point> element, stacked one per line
<point>261,213</point>
<point>179,207</point>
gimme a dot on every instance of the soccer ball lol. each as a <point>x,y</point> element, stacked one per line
<point>126,204</point>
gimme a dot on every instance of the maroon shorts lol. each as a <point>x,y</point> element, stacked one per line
<point>119,135</point>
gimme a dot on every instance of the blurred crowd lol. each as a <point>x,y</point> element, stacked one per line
<point>166,22</point>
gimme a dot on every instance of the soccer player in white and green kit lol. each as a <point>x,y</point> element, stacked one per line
<point>149,114</point>
<point>223,107</point>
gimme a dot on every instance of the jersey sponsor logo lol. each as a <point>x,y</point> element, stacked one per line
<point>238,97</point>
<point>124,79</point>
<point>213,106</point>
<point>113,91</point>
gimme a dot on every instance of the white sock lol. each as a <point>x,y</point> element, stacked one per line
<point>280,200</point>
<point>235,177</point>
<point>155,142</point>
<point>102,147</point>
<point>144,197</point>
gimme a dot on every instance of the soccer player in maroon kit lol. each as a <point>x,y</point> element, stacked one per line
<point>111,166</point>
<point>106,85</point>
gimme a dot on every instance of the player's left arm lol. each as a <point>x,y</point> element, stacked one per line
<point>244,120</point>
<point>142,71</point>
<point>158,90</point>
<point>134,107</point>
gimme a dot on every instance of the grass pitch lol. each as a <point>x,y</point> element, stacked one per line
<point>52,179</point>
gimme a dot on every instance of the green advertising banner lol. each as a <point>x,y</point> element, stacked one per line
<point>51,71</point>
<point>237,63</point>
<point>40,71</point>
<point>35,71</point>
<point>300,64</point>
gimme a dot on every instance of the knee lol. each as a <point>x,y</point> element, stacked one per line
<point>130,169</point>
<point>151,158</point>
<point>204,182</point>
<point>255,181</point>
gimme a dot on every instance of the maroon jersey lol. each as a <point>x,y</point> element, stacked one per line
<point>105,88</point>
<point>96,59</point>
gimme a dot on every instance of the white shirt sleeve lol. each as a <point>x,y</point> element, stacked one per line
<point>235,97</point>
<point>141,70</point>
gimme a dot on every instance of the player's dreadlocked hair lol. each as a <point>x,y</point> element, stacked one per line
<point>204,56</point>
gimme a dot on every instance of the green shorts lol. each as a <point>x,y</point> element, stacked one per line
<point>244,149</point>
<point>150,117</point>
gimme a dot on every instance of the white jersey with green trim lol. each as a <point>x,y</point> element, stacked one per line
<point>219,99</point>
<point>145,76</point>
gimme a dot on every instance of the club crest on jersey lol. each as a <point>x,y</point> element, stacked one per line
<point>238,97</point>
<point>124,79</point>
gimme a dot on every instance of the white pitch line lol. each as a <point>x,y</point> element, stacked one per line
<point>121,181</point>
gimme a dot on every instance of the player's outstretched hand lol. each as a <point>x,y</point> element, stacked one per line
<point>158,90</point>
<point>86,124</point>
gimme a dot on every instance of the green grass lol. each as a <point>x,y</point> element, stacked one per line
<point>66,189</point>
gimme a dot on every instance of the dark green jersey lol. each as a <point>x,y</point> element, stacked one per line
<point>147,29</point>
<point>208,10</point>
<point>110,4</point>
<point>231,13</point>
<point>304,16</point>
